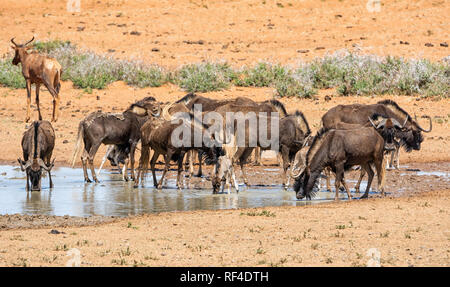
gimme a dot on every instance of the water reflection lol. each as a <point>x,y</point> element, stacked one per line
<point>113,197</point>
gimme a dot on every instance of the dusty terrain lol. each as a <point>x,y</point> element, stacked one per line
<point>408,230</point>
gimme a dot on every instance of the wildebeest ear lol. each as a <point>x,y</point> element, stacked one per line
<point>139,111</point>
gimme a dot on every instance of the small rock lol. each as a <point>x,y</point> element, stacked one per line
<point>320,48</point>
<point>429,45</point>
<point>135,33</point>
<point>65,141</point>
<point>444,44</point>
<point>327,98</point>
<point>302,51</point>
<point>404,42</point>
<point>155,50</point>
<point>54,231</point>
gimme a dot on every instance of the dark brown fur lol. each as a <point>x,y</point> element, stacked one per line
<point>38,143</point>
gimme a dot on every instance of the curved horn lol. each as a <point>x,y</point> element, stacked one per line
<point>28,42</point>
<point>397,124</point>
<point>431,125</point>
<point>44,166</point>
<point>406,120</point>
<point>373,124</point>
<point>22,166</point>
<point>12,41</point>
<point>300,171</point>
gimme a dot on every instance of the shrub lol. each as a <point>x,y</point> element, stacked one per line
<point>10,75</point>
<point>204,77</point>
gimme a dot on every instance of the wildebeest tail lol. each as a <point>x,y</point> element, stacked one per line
<point>78,145</point>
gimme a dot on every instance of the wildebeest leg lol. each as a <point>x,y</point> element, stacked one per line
<point>28,84</point>
<point>361,176</point>
<point>152,166</point>
<point>233,180</point>
<point>49,172</point>
<point>339,178</point>
<point>84,158</point>
<point>257,160</point>
<point>369,180</point>
<point>167,158</point>
<point>346,188</point>
<point>37,101</point>
<point>381,172</point>
<point>92,152</point>
<point>285,161</point>
<point>180,170</point>
<point>143,164</point>
<point>397,157</point>
<point>28,182</point>
<point>243,159</point>
<point>200,155</point>
<point>124,170</point>
<point>132,151</point>
<point>327,173</point>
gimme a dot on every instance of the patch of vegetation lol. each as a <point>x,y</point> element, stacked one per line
<point>262,213</point>
<point>350,74</point>
<point>204,77</point>
<point>10,75</point>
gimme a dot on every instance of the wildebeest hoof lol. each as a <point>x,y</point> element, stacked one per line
<point>87,180</point>
<point>364,197</point>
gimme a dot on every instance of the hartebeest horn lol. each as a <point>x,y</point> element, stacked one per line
<point>28,42</point>
<point>12,41</point>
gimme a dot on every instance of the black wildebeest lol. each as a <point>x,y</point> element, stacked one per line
<point>410,136</point>
<point>158,135</point>
<point>38,69</point>
<point>342,149</point>
<point>37,146</point>
<point>118,129</point>
<point>293,131</point>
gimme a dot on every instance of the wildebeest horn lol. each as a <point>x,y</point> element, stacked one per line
<point>373,124</point>
<point>431,125</point>
<point>12,41</point>
<point>46,167</point>
<point>406,120</point>
<point>300,171</point>
<point>28,42</point>
<point>22,166</point>
<point>397,124</point>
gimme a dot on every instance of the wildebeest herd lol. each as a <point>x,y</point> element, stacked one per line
<point>350,135</point>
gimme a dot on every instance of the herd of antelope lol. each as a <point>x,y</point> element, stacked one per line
<point>350,135</point>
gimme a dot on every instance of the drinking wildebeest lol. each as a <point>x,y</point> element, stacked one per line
<point>293,130</point>
<point>411,135</point>
<point>38,69</point>
<point>158,135</point>
<point>119,129</point>
<point>37,146</point>
<point>192,100</point>
<point>117,155</point>
<point>342,149</point>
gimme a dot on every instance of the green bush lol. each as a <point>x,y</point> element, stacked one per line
<point>204,77</point>
<point>10,75</point>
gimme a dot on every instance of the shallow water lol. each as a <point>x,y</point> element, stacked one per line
<point>113,197</point>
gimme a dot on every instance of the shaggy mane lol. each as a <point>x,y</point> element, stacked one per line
<point>304,126</point>
<point>316,144</point>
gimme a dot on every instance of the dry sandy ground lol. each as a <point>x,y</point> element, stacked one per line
<point>239,31</point>
<point>406,231</point>
<point>75,105</point>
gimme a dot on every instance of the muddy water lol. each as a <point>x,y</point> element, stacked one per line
<point>113,197</point>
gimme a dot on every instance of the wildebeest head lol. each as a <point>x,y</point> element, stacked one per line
<point>19,50</point>
<point>389,129</point>
<point>118,155</point>
<point>34,168</point>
